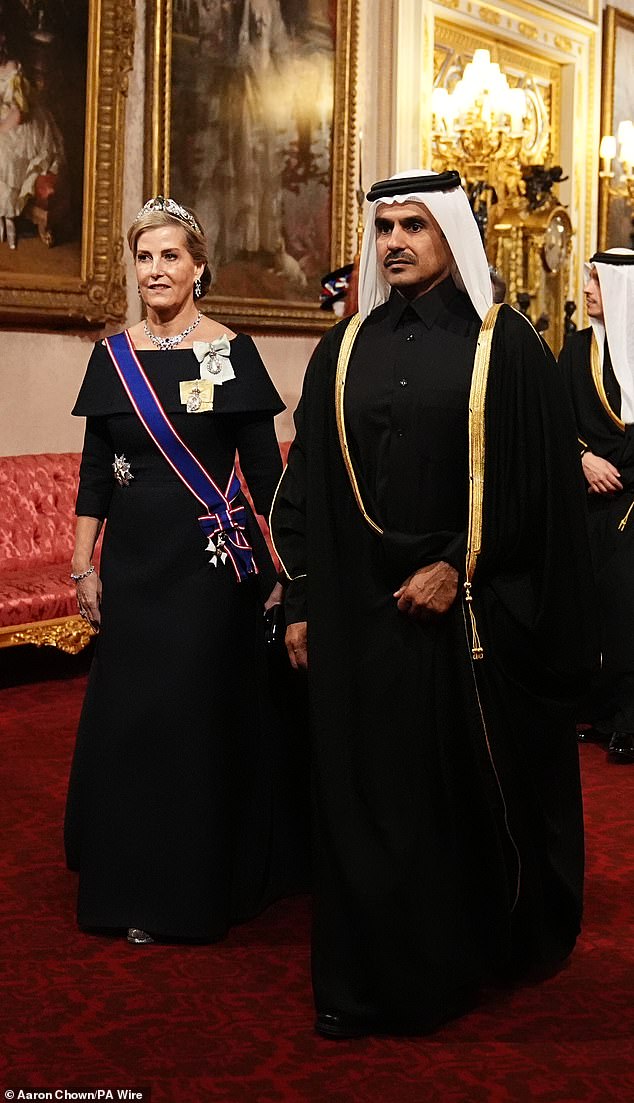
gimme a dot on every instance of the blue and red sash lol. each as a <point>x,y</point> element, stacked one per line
<point>224,522</point>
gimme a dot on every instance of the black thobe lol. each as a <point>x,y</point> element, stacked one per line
<point>447,808</point>
<point>611,705</point>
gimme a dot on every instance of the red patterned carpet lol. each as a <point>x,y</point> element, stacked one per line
<point>233,1022</point>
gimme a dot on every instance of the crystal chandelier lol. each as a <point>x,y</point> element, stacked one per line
<point>482,113</point>
<point>478,128</point>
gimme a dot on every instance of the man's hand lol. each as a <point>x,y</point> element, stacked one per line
<point>602,477</point>
<point>296,644</point>
<point>430,591</point>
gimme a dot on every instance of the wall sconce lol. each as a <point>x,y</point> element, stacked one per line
<point>624,188</point>
<point>478,128</point>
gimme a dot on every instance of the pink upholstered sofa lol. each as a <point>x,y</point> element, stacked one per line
<point>37,598</point>
<point>37,524</point>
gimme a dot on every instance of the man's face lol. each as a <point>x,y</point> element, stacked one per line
<point>592,292</point>
<point>411,250</point>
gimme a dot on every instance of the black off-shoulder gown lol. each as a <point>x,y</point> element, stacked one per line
<point>181,807</point>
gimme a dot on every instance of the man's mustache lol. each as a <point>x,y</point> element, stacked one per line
<point>398,258</point>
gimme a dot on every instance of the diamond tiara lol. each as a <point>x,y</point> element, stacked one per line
<point>160,203</point>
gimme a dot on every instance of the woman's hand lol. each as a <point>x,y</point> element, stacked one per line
<point>276,596</point>
<point>430,591</point>
<point>602,477</point>
<point>89,599</point>
<point>89,587</point>
<point>296,644</point>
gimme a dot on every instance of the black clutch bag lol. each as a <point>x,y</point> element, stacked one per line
<point>274,626</point>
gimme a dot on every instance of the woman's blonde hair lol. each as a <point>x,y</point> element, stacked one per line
<point>195,240</point>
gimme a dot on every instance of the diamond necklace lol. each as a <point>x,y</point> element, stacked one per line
<point>167,343</point>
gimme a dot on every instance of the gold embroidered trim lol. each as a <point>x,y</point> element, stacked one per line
<point>597,376</point>
<point>477,398</point>
<point>345,352</point>
<point>275,548</point>
<point>624,521</point>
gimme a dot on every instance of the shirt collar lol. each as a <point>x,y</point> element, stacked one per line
<point>427,307</point>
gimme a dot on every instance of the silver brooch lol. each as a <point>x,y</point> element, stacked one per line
<point>121,469</point>
<point>194,401</point>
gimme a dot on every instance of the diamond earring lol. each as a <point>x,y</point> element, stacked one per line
<point>198,288</point>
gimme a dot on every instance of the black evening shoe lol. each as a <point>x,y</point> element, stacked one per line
<point>621,747</point>
<point>138,937</point>
<point>334,1025</point>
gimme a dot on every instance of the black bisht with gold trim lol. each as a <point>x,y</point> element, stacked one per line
<point>447,805</point>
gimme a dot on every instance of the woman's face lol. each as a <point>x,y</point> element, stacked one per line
<point>165,270</point>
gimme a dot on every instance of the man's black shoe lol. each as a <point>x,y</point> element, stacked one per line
<point>621,747</point>
<point>334,1025</point>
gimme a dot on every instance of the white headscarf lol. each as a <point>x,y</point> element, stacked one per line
<point>453,214</point>
<point>617,292</point>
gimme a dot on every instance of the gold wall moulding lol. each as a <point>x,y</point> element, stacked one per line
<point>267,158</point>
<point>71,270</point>
<point>69,634</point>
<point>528,30</point>
<point>588,9</point>
<point>616,201</point>
<point>489,15</point>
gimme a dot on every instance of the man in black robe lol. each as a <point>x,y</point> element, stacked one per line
<point>598,369</point>
<point>430,521</point>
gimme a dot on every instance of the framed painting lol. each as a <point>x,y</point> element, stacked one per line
<point>251,111</point>
<point>616,214</point>
<point>63,84</point>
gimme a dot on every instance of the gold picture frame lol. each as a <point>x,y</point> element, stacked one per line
<point>271,175</point>
<point>615,213</point>
<point>73,273</point>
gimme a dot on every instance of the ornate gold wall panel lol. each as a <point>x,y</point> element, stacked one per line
<point>615,215</point>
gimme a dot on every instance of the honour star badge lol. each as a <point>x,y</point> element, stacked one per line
<point>121,469</point>
<point>217,549</point>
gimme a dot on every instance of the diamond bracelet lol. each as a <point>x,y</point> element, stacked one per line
<point>84,574</point>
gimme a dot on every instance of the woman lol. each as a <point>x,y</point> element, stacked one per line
<point>30,143</point>
<point>175,815</point>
